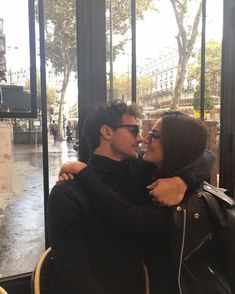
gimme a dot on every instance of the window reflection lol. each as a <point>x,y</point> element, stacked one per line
<point>17,59</point>
<point>168,74</point>
<point>22,203</point>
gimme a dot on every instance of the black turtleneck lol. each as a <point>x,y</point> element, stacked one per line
<point>91,256</point>
<point>128,177</point>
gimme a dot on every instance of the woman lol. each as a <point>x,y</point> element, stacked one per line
<point>176,142</point>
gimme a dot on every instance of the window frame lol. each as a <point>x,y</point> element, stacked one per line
<point>92,91</point>
<point>33,86</point>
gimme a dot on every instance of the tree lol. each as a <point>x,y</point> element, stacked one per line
<point>185,40</point>
<point>121,21</point>
<point>61,50</point>
<point>145,87</point>
<point>122,87</point>
<point>51,94</point>
<point>60,28</point>
<point>209,103</point>
<point>213,67</point>
<point>51,100</point>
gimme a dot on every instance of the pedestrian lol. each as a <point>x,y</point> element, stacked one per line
<point>54,130</point>
<point>69,133</point>
<point>91,256</point>
<point>201,233</point>
<point>76,146</point>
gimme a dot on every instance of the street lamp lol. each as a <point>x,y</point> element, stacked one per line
<point>10,70</point>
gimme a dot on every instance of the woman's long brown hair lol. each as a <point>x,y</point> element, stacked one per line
<point>183,140</point>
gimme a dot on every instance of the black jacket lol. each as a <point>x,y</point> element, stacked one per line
<point>201,235</point>
<point>203,242</point>
<point>91,257</point>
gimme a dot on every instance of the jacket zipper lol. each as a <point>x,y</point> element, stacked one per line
<point>208,237</point>
<point>214,274</point>
<point>182,251</point>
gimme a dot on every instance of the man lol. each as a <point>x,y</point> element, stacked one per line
<point>54,130</point>
<point>90,256</point>
<point>69,132</point>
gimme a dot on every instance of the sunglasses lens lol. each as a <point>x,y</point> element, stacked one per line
<point>135,130</point>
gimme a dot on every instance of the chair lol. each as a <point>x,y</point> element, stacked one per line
<point>2,291</point>
<point>43,273</point>
<point>146,278</point>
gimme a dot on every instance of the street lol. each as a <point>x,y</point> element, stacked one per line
<point>22,212</point>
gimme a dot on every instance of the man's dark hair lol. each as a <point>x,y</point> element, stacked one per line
<point>183,139</point>
<point>110,114</point>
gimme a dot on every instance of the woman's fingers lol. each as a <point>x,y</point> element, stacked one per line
<point>169,191</point>
<point>153,185</point>
<point>66,177</point>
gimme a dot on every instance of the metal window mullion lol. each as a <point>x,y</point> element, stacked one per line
<point>44,110</point>
<point>111,50</point>
<point>203,60</point>
<point>133,44</point>
<point>91,49</point>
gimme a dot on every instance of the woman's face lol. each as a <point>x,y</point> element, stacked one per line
<point>154,152</point>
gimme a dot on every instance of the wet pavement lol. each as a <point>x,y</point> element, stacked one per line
<point>22,212</point>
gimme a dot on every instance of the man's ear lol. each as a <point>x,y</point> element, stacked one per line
<point>106,132</point>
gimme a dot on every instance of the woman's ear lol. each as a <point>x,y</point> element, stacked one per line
<point>106,132</point>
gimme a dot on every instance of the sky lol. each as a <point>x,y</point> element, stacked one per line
<point>15,27</point>
<point>158,30</point>
<point>155,32</point>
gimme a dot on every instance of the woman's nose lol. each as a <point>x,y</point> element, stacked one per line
<point>145,137</point>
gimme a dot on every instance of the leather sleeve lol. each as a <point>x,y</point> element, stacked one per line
<point>121,214</point>
<point>66,228</point>
<point>199,172</point>
<point>228,238</point>
<point>223,212</point>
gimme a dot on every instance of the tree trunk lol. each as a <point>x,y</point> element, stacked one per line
<point>179,83</point>
<point>61,103</point>
<point>185,47</point>
<point>69,63</point>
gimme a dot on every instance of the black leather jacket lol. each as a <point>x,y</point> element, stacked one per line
<point>203,242</point>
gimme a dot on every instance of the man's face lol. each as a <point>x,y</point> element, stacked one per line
<point>125,139</point>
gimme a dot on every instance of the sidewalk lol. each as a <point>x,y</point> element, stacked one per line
<point>22,212</point>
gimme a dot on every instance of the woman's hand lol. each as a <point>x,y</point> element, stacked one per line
<point>168,191</point>
<point>70,168</point>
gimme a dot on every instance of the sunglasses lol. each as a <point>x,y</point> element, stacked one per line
<point>134,129</point>
<point>154,134</point>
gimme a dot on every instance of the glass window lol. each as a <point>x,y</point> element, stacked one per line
<point>21,157</point>
<point>21,194</point>
<point>159,58</point>
<point>118,49</point>
<point>16,51</point>
<point>62,89</point>
<point>21,185</point>
<point>214,30</point>
<point>21,189</point>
